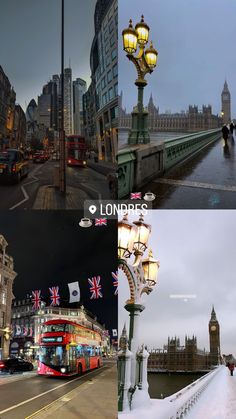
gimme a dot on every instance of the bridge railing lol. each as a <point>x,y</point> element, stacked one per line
<point>180,148</point>
<point>179,404</point>
<point>138,165</point>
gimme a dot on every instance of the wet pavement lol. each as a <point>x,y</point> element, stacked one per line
<point>207,181</point>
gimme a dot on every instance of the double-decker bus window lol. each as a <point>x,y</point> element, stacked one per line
<point>48,328</point>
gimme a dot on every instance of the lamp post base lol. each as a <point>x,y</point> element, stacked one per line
<point>139,133</point>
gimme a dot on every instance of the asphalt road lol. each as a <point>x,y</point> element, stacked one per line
<point>25,395</point>
<point>23,195</point>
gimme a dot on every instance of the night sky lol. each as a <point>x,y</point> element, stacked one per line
<point>30,42</point>
<point>50,248</point>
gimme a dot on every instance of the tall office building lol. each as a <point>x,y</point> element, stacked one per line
<point>79,89</point>
<point>68,108</point>
<point>7,276</point>
<point>101,100</point>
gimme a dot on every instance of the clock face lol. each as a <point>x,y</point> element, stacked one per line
<point>213,328</point>
<point>225,97</point>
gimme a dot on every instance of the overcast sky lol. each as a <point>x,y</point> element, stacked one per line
<point>194,40</point>
<point>196,250</point>
<point>50,249</point>
<point>30,42</point>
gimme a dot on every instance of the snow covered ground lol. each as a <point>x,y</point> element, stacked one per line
<point>217,401</point>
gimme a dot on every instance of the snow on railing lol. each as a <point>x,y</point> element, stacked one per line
<point>184,400</point>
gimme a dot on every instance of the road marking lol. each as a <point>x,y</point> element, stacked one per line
<point>26,196</point>
<point>202,185</point>
<point>43,394</point>
<point>66,398</point>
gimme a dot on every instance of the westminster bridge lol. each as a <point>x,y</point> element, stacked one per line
<point>192,171</point>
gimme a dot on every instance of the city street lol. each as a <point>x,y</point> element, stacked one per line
<point>86,183</point>
<point>30,395</point>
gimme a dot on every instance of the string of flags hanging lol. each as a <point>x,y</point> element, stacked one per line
<point>95,288</point>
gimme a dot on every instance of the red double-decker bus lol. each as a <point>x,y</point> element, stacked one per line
<point>76,151</point>
<point>67,348</point>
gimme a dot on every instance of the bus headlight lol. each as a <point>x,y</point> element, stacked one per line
<point>63,370</point>
<point>84,163</point>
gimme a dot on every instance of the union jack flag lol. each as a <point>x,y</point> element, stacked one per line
<point>136,195</point>
<point>36,299</point>
<point>100,222</point>
<point>115,282</point>
<point>25,331</point>
<point>54,295</point>
<point>95,288</point>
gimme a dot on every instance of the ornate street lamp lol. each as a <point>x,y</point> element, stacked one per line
<point>145,62</point>
<point>142,278</point>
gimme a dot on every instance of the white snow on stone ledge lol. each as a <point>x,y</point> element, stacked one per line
<point>218,401</point>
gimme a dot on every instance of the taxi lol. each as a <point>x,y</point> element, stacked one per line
<point>13,165</point>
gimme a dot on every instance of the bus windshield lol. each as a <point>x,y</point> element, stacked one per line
<point>54,355</point>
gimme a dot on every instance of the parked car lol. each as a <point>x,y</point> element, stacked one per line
<point>13,165</point>
<point>39,157</point>
<point>12,365</point>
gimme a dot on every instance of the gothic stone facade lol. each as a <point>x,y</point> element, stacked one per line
<point>188,358</point>
<point>193,120</point>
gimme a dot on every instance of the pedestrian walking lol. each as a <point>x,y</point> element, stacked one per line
<point>225,132</point>
<point>231,127</point>
<point>231,367</point>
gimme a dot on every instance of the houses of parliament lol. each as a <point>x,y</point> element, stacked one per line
<point>188,358</point>
<point>193,120</point>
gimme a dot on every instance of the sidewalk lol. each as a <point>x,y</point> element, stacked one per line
<point>50,198</point>
<point>102,167</point>
<point>94,399</point>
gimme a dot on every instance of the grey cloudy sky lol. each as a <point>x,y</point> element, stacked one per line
<point>195,44</point>
<point>196,250</point>
<point>30,42</point>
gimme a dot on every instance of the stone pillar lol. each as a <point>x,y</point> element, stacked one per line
<point>134,312</point>
<point>124,373</point>
<point>141,396</point>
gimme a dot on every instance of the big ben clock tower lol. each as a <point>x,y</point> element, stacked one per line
<point>226,104</point>
<point>214,335</point>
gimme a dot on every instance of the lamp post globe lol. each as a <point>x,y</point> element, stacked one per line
<point>142,30</point>
<point>130,39</point>
<point>151,56</point>
<point>150,269</point>
<point>126,236</point>
<point>142,235</point>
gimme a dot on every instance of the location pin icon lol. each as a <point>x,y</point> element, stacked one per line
<point>92,209</point>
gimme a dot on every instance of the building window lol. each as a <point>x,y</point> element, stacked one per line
<point>109,76</point>
<point>115,70</point>
<point>111,27</point>
<point>105,35</point>
<point>107,48</point>
<point>111,93</point>
<point>4,298</point>
<point>104,99</point>
<point>114,54</point>
<point>112,40</point>
<point>114,112</point>
<point>116,89</point>
<point>103,83</point>
<point>2,319</point>
<point>108,60</point>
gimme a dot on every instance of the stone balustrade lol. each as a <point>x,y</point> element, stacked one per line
<point>139,164</point>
